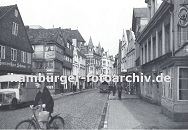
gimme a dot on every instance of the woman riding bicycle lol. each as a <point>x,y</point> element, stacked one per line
<point>44,97</point>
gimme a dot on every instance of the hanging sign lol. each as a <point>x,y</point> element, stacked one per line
<point>183,17</point>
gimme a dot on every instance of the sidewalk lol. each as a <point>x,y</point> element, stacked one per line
<point>133,113</point>
<point>58,96</point>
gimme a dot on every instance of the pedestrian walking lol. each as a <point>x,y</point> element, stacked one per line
<point>114,89</point>
<point>119,87</point>
<point>74,87</point>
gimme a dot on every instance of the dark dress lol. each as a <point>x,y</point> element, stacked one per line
<point>45,98</point>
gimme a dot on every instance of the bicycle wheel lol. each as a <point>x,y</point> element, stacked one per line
<point>57,123</point>
<point>26,124</point>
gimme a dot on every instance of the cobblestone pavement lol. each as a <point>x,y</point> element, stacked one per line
<point>80,111</point>
<point>133,113</point>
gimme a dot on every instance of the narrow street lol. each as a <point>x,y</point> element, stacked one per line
<point>80,111</point>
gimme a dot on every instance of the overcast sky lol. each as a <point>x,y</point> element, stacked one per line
<point>103,20</point>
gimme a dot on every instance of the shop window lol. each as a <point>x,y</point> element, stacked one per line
<point>2,52</point>
<point>183,83</point>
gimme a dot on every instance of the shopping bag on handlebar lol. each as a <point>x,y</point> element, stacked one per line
<point>43,116</point>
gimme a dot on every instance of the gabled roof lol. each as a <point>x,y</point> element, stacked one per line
<point>5,9</point>
<point>66,35</point>
<point>21,41</point>
<point>43,35</point>
<point>75,34</point>
<point>141,12</point>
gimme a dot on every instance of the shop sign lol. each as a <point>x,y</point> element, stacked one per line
<point>11,64</point>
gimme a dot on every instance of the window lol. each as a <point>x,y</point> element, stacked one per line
<point>183,83</point>
<point>2,52</point>
<point>68,45</point>
<point>16,13</point>
<point>143,21</point>
<point>50,65</point>
<point>50,48</point>
<point>13,54</point>
<point>23,56</point>
<point>163,89</point>
<point>39,65</point>
<point>167,38</point>
<point>170,84</point>
<point>104,63</point>
<point>160,44</point>
<point>38,48</point>
<point>154,47</point>
<point>29,58</point>
<point>15,29</point>
<point>104,71</point>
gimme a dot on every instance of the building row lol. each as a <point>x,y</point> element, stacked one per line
<point>159,47</point>
<point>52,52</point>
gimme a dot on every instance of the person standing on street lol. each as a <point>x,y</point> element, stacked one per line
<point>119,87</point>
<point>114,89</point>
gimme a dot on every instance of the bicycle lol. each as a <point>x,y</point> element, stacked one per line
<point>33,122</point>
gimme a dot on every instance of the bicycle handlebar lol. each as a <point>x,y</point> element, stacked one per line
<point>37,106</point>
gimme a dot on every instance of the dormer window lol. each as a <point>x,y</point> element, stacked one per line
<point>16,13</point>
<point>15,29</point>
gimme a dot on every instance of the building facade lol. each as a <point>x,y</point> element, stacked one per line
<point>107,64</point>
<point>53,55</point>
<point>93,61</point>
<point>79,59</point>
<point>163,50</point>
<point>15,48</point>
<point>124,44</point>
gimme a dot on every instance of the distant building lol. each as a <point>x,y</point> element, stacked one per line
<point>115,65</point>
<point>107,64</point>
<point>79,59</point>
<point>53,55</point>
<point>15,48</point>
<point>93,62</point>
<point>124,44</point>
<point>119,58</point>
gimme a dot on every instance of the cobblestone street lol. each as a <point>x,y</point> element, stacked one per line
<point>80,111</point>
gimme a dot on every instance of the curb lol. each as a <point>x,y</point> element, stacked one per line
<point>103,123</point>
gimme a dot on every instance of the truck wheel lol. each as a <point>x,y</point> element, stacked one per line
<point>14,103</point>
